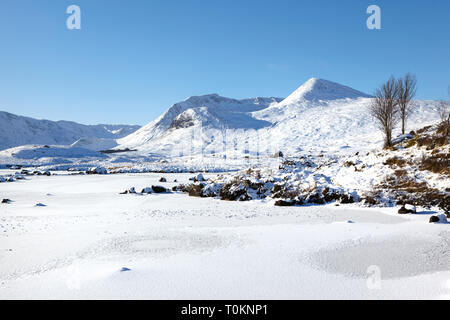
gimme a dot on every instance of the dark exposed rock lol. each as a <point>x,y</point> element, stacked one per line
<point>434,219</point>
<point>195,190</point>
<point>159,189</point>
<point>180,188</point>
<point>315,198</point>
<point>284,203</point>
<point>233,194</point>
<point>6,201</point>
<point>404,210</point>
<point>182,121</point>
<point>163,179</point>
<point>347,199</point>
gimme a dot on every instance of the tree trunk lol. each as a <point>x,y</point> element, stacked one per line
<point>403,125</point>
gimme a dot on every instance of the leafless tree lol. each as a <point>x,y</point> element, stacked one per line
<point>384,108</point>
<point>443,109</point>
<point>406,92</point>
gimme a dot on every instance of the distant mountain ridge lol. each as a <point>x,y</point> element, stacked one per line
<point>18,130</point>
<point>320,115</point>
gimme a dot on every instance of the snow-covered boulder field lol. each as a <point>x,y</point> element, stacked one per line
<point>416,171</point>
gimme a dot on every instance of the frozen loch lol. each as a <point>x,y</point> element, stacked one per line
<point>89,241</point>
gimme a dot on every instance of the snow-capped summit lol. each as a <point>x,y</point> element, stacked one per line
<point>320,114</point>
<point>207,110</point>
<point>316,89</point>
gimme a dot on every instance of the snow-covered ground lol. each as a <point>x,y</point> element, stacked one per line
<point>180,247</point>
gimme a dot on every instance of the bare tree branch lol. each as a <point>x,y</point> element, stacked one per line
<point>384,108</point>
<point>443,110</point>
<point>407,91</point>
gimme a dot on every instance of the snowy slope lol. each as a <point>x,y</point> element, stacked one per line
<point>212,110</point>
<point>18,130</point>
<point>319,115</point>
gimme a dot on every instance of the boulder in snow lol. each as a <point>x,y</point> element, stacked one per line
<point>442,218</point>
<point>159,189</point>
<point>147,190</point>
<point>284,203</point>
<point>407,209</point>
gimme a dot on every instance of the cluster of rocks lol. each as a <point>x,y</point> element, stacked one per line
<point>20,175</point>
<point>97,170</point>
<point>146,190</point>
<point>27,172</point>
<point>282,185</point>
<point>410,209</point>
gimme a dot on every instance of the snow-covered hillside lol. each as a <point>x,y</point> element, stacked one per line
<point>18,130</point>
<point>210,110</point>
<point>212,133</point>
<point>319,115</point>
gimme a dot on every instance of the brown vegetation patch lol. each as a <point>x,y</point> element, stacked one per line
<point>436,163</point>
<point>443,129</point>
<point>396,161</point>
<point>400,173</point>
<point>410,191</point>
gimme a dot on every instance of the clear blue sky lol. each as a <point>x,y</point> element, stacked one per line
<point>133,59</point>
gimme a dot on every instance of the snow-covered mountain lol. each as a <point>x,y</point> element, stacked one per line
<point>319,115</point>
<point>18,130</point>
